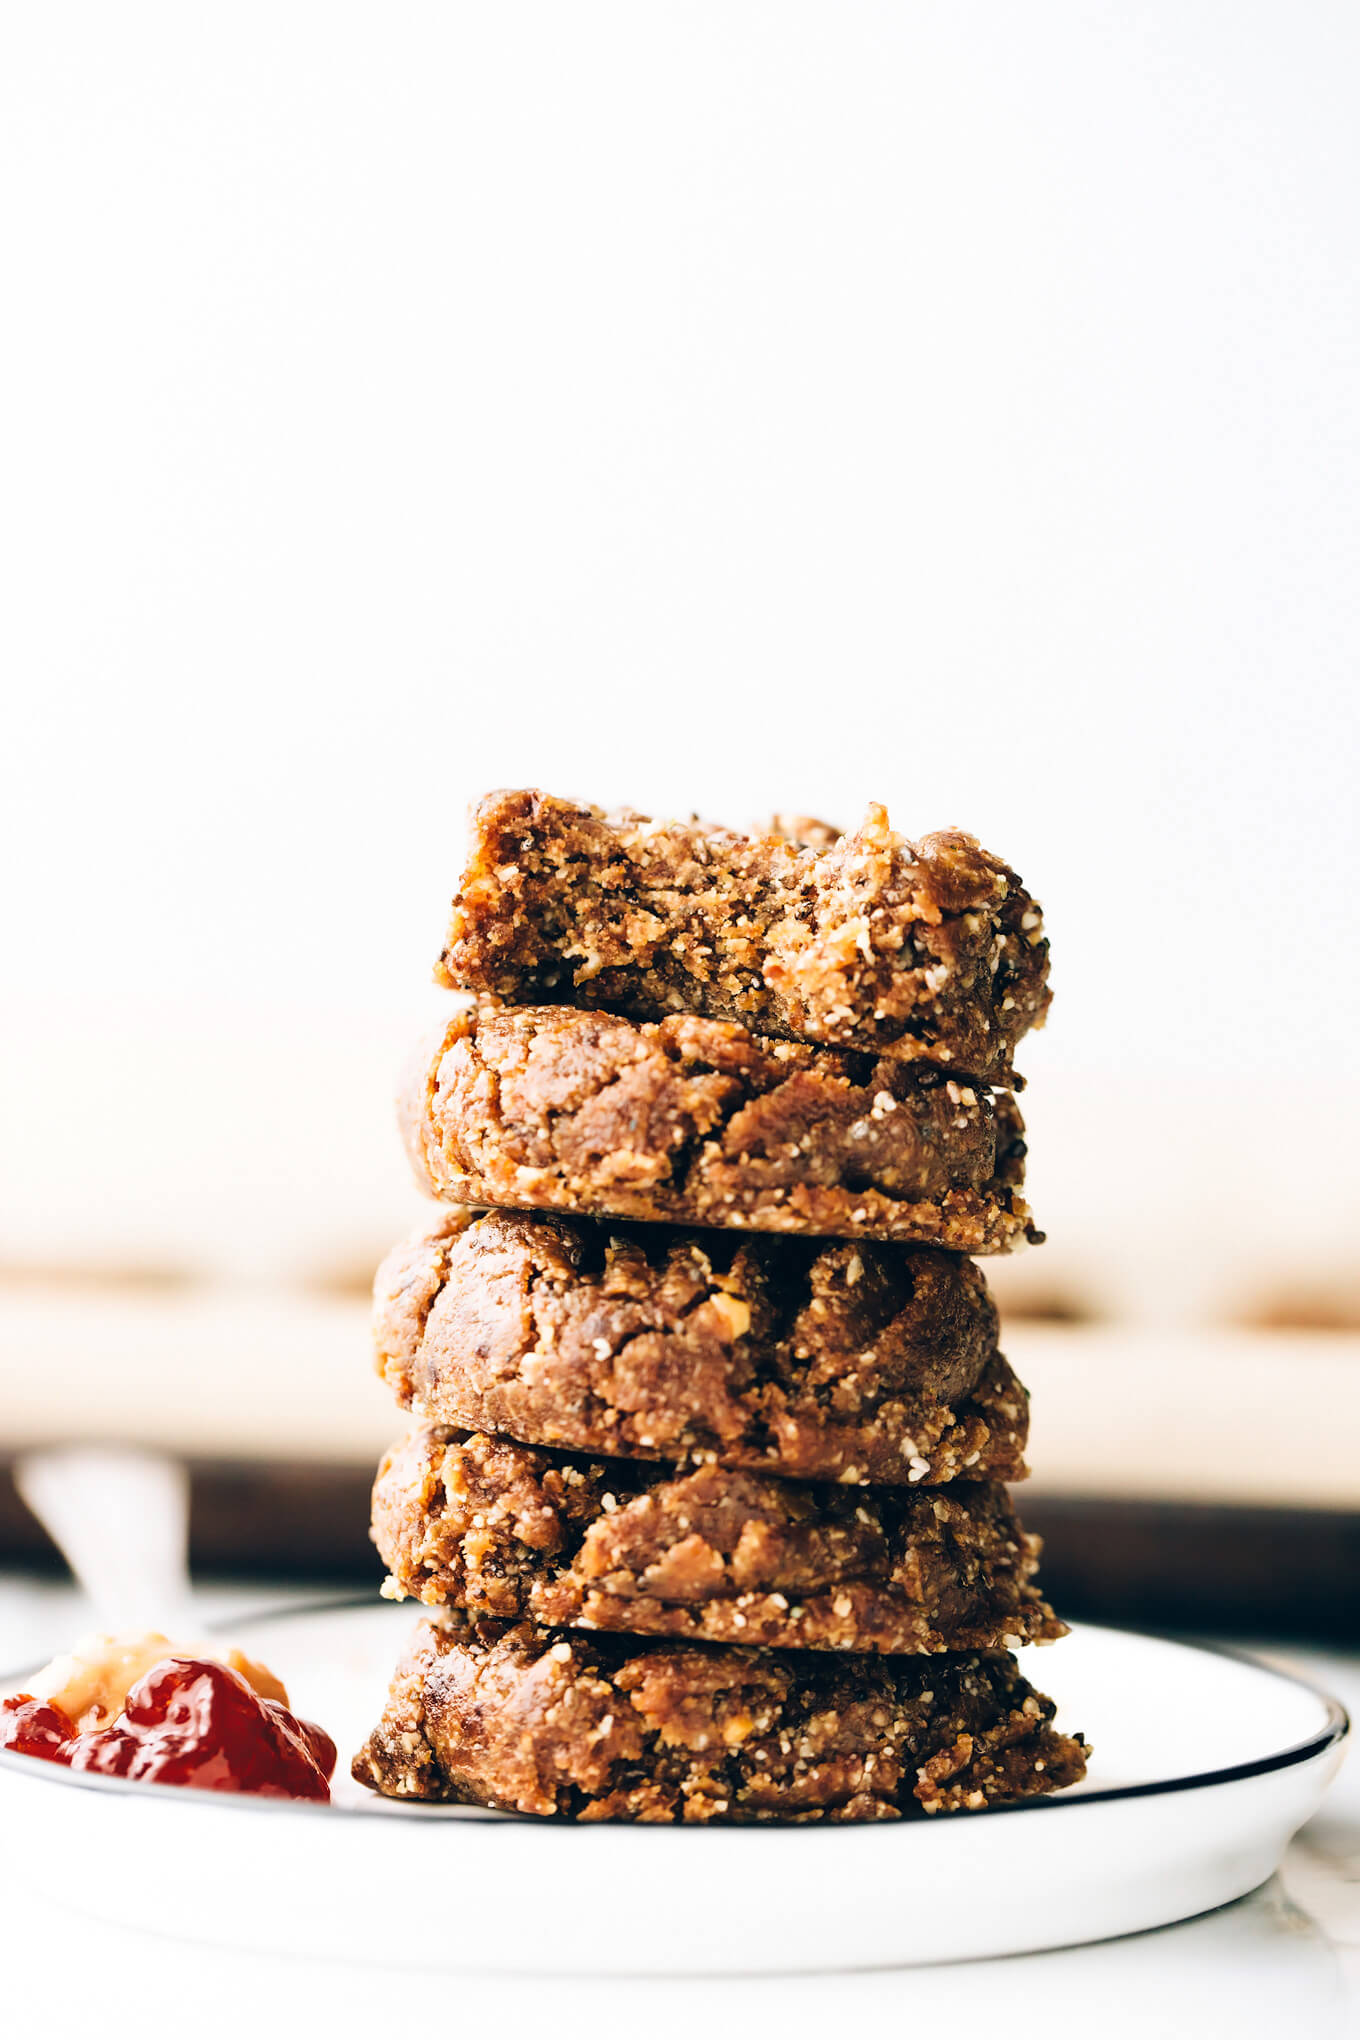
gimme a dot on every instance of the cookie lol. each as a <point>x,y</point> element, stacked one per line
<point>528,1720</point>
<point>928,952</point>
<point>698,1122</point>
<point>813,1359</point>
<point>506,1530</point>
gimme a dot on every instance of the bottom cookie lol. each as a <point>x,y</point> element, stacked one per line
<point>527,1720</point>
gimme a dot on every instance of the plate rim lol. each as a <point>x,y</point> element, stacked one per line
<point>1336,1728</point>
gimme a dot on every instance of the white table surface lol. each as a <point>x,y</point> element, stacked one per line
<point>1286,1959</point>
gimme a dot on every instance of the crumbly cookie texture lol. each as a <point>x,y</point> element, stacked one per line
<point>507,1530</point>
<point>699,1122</point>
<point>822,1360</point>
<point>603,1728</point>
<point>931,951</point>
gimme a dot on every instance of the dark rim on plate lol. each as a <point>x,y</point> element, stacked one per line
<point>1336,1729</point>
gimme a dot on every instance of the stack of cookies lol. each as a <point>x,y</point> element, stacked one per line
<point>704,1497</point>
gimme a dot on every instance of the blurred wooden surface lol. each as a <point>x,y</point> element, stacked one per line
<point>1242,1415</point>
<point>1195,1478</point>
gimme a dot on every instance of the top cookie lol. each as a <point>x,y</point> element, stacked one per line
<point>921,952</point>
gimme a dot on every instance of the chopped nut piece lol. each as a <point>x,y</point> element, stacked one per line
<point>735,1313</point>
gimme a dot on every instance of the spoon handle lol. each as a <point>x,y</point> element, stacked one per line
<point>120,1517</point>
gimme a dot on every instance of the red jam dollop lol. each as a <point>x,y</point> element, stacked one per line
<point>188,1721</point>
<point>35,1728</point>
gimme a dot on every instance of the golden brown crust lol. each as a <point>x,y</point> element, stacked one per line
<point>505,1530</point>
<point>698,1122</point>
<point>602,1728</point>
<point>817,1360</point>
<point>922,952</point>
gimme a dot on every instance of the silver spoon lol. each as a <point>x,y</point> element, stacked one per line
<point>120,1518</point>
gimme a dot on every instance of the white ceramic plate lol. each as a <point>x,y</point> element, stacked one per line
<point>1204,1767</point>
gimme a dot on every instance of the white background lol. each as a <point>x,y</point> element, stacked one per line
<point>702,406</point>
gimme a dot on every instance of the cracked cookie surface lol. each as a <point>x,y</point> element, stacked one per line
<point>699,1122</point>
<point>594,1727</point>
<point>506,1530</point>
<point>814,1359</point>
<point>922,952</point>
